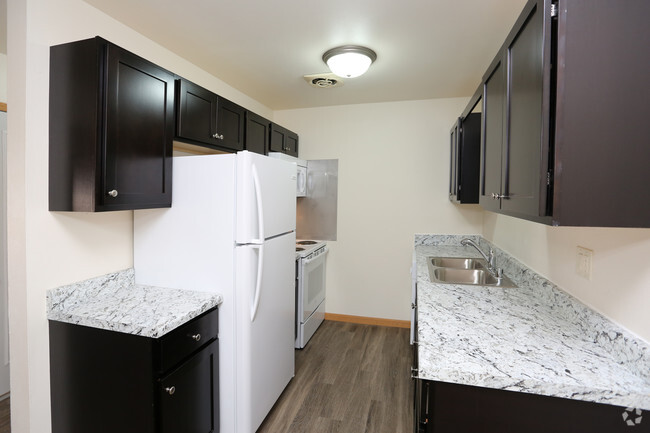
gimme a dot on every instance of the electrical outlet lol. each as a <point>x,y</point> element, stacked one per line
<point>583,262</point>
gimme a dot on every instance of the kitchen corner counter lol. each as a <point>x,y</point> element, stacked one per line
<point>535,338</point>
<point>114,302</point>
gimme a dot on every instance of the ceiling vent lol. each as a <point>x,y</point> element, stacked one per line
<point>324,81</point>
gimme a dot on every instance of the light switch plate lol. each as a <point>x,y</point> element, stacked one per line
<point>583,262</point>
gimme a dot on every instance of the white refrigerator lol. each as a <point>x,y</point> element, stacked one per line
<point>231,230</point>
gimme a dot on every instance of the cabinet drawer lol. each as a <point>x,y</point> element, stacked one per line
<point>186,339</point>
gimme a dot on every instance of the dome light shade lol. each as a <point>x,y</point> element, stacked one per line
<point>349,61</point>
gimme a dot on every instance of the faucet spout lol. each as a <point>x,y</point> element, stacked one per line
<point>489,257</point>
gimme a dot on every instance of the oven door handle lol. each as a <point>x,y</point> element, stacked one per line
<point>321,255</point>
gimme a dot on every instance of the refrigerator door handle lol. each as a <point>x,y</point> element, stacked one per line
<point>258,283</point>
<point>260,207</point>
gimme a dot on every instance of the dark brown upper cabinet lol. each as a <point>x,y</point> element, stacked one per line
<point>563,138</point>
<point>111,128</point>
<point>465,143</point>
<point>207,119</point>
<point>257,133</point>
<point>494,102</point>
<point>283,140</point>
<point>453,166</point>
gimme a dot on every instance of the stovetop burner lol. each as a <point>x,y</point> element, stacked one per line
<point>305,248</point>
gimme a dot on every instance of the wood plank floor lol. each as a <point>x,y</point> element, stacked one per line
<point>5,418</point>
<point>350,378</point>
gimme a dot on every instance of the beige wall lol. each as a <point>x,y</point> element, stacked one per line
<point>393,172</point>
<point>50,249</point>
<point>620,282</point>
<point>3,77</point>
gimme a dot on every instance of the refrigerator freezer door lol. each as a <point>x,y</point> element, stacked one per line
<point>265,340</point>
<point>266,197</point>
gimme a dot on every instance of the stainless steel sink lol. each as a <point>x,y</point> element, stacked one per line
<point>458,262</point>
<point>464,270</point>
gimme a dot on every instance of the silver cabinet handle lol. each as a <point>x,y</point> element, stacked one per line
<point>112,193</point>
<point>196,337</point>
<point>170,390</point>
<point>217,136</point>
<point>496,196</point>
<point>414,373</point>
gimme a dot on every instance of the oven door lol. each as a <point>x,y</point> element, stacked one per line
<point>312,284</point>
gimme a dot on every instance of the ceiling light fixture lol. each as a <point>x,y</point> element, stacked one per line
<point>349,61</point>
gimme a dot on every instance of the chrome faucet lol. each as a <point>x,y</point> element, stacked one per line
<point>489,258</point>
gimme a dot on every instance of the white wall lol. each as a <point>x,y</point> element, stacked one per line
<point>48,249</point>
<point>393,173</point>
<point>3,77</point>
<point>620,282</point>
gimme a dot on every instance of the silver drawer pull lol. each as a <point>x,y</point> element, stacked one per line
<point>217,136</point>
<point>112,193</point>
<point>196,337</point>
<point>170,390</point>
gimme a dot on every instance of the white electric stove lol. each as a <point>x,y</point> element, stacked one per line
<point>310,288</point>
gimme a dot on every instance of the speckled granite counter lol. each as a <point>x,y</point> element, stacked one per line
<point>114,302</point>
<point>535,338</point>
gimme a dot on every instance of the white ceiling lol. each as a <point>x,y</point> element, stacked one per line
<point>425,48</point>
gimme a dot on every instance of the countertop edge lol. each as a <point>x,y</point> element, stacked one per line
<point>114,302</point>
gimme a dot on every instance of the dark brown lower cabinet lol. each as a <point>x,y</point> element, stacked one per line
<point>451,408</point>
<point>187,396</point>
<point>106,381</point>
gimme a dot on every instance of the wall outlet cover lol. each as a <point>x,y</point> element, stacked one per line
<point>584,258</point>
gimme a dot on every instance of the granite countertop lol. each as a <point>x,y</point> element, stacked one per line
<point>535,338</point>
<point>114,302</point>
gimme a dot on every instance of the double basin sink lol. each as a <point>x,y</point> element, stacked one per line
<point>464,270</point>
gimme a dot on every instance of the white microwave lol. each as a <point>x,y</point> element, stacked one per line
<point>301,171</point>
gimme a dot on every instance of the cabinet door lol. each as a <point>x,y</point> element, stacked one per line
<point>469,144</point>
<point>283,140</point>
<point>292,144</point>
<point>257,133</point>
<point>453,163</point>
<point>139,133</point>
<point>230,125</point>
<point>196,114</point>
<point>494,98</point>
<point>278,138</point>
<point>189,396</point>
<point>527,111</point>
